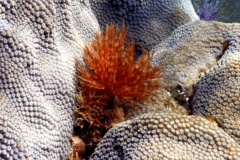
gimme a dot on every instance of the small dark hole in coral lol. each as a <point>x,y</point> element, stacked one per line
<point>219,124</point>
<point>225,45</point>
<point>179,88</point>
<point>190,106</point>
<point>28,65</point>
<point>119,150</point>
<point>89,151</point>
<point>138,52</point>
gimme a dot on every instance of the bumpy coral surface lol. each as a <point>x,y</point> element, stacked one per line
<point>39,44</point>
<point>148,21</point>
<point>183,65</point>
<point>166,136</point>
<point>189,52</point>
<point>218,94</point>
<point>42,41</point>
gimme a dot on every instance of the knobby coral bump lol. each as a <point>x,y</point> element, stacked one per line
<point>111,80</point>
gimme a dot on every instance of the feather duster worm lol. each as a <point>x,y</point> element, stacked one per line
<point>112,80</point>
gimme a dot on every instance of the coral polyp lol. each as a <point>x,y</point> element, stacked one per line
<point>111,80</point>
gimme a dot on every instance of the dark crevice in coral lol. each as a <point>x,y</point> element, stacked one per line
<point>224,47</point>
<point>82,132</point>
<point>119,150</point>
<point>138,51</point>
<point>183,98</point>
<point>219,124</point>
<point>190,107</point>
<point>110,103</point>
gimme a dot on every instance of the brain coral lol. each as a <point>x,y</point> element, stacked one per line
<point>166,136</point>
<point>40,42</point>
<point>217,93</point>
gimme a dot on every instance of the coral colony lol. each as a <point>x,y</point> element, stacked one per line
<point>41,44</point>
